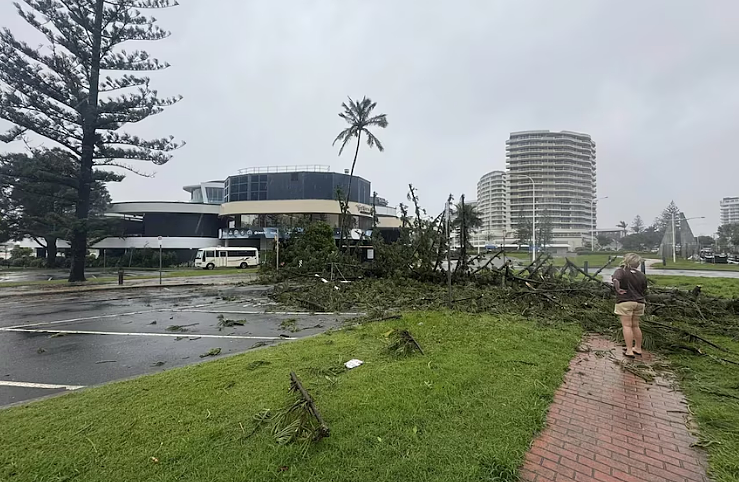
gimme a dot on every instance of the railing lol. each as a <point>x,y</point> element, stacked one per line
<point>273,169</point>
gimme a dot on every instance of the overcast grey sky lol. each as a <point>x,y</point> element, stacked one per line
<point>656,84</point>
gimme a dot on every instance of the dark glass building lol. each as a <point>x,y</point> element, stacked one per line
<point>273,186</point>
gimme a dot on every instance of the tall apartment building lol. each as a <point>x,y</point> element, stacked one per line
<point>562,167</point>
<point>492,204</point>
<point>729,210</point>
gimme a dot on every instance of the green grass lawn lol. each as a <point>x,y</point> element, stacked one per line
<point>466,411</point>
<point>595,261</point>
<point>712,388</point>
<point>723,287</point>
<point>687,264</point>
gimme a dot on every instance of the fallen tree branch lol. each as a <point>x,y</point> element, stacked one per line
<point>611,259</point>
<point>312,305</point>
<point>686,332</point>
<point>296,385</point>
<point>581,271</point>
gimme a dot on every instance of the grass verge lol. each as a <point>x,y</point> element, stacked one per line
<point>685,264</point>
<point>467,410</point>
<point>712,389</point>
<point>722,287</point>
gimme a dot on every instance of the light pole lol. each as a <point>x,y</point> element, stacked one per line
<point>674,251</point>
<point>592,221</point>
<point>504,236</point>
<point>533,215</point>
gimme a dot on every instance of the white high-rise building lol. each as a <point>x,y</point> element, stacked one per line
<point>729,210</point>
<point>562,168</point>
<point>492,204</point>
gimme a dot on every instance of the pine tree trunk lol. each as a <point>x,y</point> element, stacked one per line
<point>50,251</point>
<point>90,118</point>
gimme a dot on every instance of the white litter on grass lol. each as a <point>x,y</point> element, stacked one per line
<point>353,363</point>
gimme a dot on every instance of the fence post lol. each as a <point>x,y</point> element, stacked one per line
<point>585,266</point>
<point>644,267</point>
<point>120,276</point>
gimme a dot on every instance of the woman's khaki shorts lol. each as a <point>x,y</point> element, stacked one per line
<point>628,308</point>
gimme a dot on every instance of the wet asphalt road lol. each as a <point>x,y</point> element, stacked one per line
<point>56,343</point>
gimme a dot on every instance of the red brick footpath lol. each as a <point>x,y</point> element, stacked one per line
<point>610,425</point>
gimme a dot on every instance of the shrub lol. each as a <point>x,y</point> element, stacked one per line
<point>308,250</point>
<point>37,263</point>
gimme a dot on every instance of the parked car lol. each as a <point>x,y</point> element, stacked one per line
<point>720,259</point>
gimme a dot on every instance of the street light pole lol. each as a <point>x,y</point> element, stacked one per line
<point>448,216</point>
<point>533,215</point>
<point>674,251</point>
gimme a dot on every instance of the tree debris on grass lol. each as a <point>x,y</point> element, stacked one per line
<point>300,417</point>
<point>257,364</point>
<point>298,422</point>
<point>675,321</point>
<point>211,352</point>
<point>402,343</point>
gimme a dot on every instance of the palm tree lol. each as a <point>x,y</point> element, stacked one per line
<point>358,114</point>
<point>466,219</point>
<point>469,213</point>
<point>623,227</point>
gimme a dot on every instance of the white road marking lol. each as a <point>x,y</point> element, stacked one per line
<point>100,317</point>
<point>291,313</point>
<point>170,335</point>
<point>86,318</point>
<point>4,383</point>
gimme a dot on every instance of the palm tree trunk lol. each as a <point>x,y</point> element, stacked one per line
<point>344,217</point>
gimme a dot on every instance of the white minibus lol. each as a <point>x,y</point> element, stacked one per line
<point>220,257</point>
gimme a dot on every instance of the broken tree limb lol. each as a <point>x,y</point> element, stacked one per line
<point>527,267</point>
<point>581,271</point>
<point>413,340</point>
<point>311,305</point>
<point>611,259</point>
<point>540,262</point>
<point>386,318</point>
<point>468,298</point>
<point>488,262</point>
<point>296,385</point>
<point>686,332</point>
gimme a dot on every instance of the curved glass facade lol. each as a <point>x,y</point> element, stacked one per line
<point>295,185</point>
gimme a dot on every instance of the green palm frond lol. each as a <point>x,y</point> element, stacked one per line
<point>358,114</point>
<point>373,141</point>
<point>378,120</point>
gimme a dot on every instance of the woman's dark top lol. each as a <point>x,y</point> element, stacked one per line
<point>634,282</point>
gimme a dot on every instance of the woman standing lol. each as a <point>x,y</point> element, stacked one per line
<point>631,289</point>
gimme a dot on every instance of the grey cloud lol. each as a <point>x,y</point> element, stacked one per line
<point>655,83</point>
